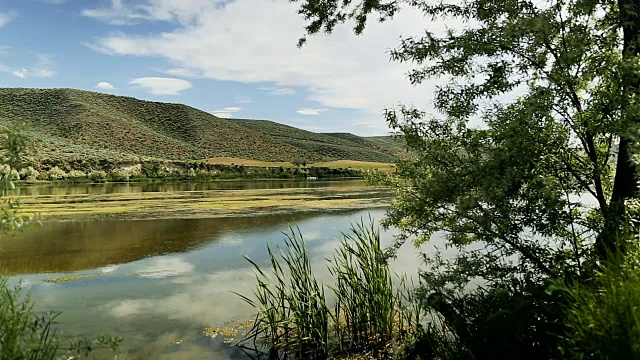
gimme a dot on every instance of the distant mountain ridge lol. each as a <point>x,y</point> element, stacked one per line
<point>77,123</point>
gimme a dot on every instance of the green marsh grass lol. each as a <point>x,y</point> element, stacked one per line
<point>24,334</point>
<point>603,318</point>
<point>366,300</point>
<point>369,316</point>
<point>293,317</point>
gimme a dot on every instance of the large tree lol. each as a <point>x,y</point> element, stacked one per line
<point>528,188</point>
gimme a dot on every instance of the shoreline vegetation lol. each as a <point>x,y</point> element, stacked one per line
<point>214,169</point>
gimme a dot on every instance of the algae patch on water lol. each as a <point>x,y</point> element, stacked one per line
<point>213,332</point>
<point>201,204</point>
<point>74,278</point>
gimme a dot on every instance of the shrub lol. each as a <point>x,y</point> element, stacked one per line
<point>499,322</point>
<point>135,175</point>
<point>5,171</point>
<point>98,176</point>
<point>204,175</point>
<point>603,321</point>
<point>55,173</point>
<point>14,175</point>
<point>151,169</point>
<point>29,174</point>
<point>76,174</point>
<point>299,162</point>
<point>120,175</point>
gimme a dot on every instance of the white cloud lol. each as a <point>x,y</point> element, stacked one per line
<point>166,267</point>
<point>162,86</point>
<point>43,68</point>
<point>121,13</point>
<point>182,72</point>
<point>242,100</point>
<point>118,14</point>
<point>279,91</point>
<point>22,74</point>
<point>6,17</point>
<point>307,111</point>
<point>226,112</point>
<point>103,85</point>
<point>340,70</point>
<point>55,2</point>
<point>108,269</point>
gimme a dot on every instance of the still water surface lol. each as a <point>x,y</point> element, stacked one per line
<point>131,188</point>
<point>162,282</point>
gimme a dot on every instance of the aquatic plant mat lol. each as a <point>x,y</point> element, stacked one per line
<point>200,204</point>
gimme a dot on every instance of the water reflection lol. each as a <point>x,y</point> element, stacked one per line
<point>48,189</point>
<point>165,281</point>
<point>58,247</point>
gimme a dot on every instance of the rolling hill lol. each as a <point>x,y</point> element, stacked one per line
<point>75,123</point>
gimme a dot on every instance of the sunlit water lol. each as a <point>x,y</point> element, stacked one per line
<point>162,282</point>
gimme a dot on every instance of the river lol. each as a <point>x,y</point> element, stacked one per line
<point>160,282</point>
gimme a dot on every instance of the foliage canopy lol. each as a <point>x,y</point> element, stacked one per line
<point>525,188</point>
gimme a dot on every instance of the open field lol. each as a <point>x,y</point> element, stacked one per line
<point>355,164</point>
<point>200,204</point>
<point>247,162</point>
<point>336,164</point>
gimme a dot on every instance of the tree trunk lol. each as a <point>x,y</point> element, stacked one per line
<point>625,183</point>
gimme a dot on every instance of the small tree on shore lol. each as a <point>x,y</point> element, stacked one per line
<point>526,165</point>
<point>299,162</point>
<point>16,143</point>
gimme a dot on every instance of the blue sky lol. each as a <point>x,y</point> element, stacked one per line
<point>233,58</point>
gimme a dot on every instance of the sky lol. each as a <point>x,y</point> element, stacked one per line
<point>231,58</point>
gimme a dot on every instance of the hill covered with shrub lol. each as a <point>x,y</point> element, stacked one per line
<point>73,123</point>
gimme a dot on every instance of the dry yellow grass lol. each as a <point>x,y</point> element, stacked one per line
<point>246,162</point>
<point>354,164</point>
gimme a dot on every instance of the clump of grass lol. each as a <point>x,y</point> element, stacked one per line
<point>24,334</point>
<point>293,316</point>
<point>603,320</point>
<point>366,300</point>
<point>370,315</point>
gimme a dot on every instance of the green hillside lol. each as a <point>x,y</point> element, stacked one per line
<point>75,123</point>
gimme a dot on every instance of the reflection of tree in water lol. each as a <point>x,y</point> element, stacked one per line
<point>133,188</point>
<point>73,246</point>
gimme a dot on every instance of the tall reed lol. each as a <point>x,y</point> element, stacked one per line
<point>293,318</point>
<point>369,315</point>
<point>23,334</point>
<point>366,301</point>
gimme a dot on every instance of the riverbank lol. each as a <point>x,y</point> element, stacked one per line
<point>83,171</point>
